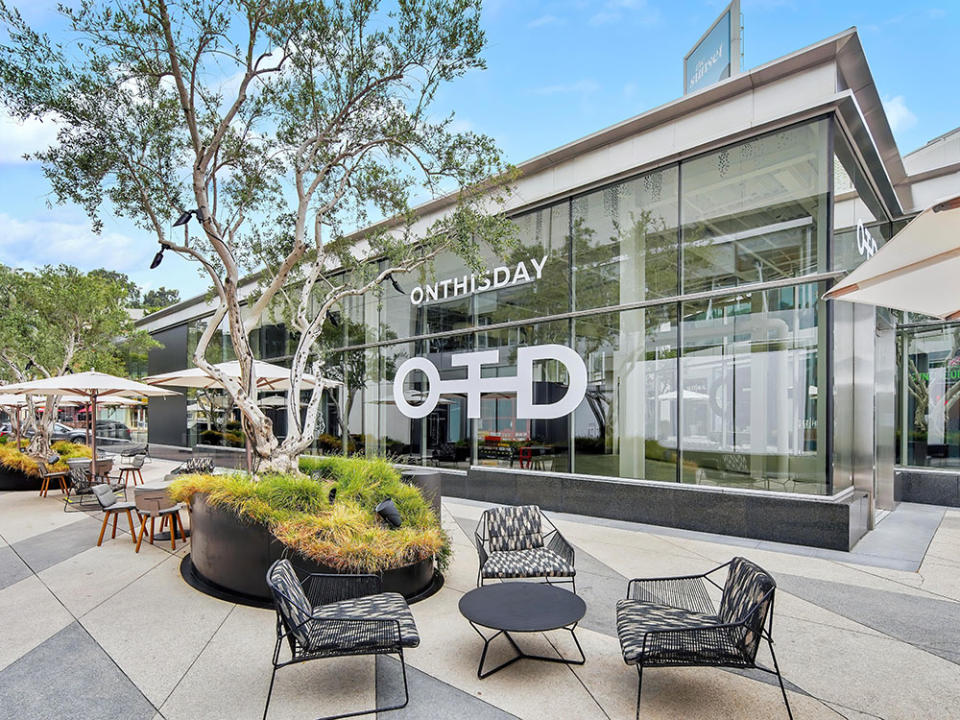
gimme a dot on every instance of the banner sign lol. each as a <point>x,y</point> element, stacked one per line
<point>716,56</point>
<point>504,276</point>
<point>474,386</point>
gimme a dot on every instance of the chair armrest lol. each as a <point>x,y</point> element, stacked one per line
<point>342,635</point>
<point>481,550</point>
<point>697,644</point>
<point>687,592</point>
<point>325,588</point>
<point>558,544</point>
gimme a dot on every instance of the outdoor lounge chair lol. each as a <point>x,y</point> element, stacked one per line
<point>83,484</point>
<point>199,464</point>
<point>671,622</point>
<point>512,544</point>
<point>337,616</point>
<point>112,508</point>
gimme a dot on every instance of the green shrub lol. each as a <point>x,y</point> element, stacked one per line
<point>14,459</point>
<point>347,534</point>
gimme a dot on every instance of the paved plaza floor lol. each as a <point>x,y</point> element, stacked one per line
<point>88,632</point>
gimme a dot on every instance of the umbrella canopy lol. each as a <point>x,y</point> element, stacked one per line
<point>87,384</point>
<point>916,270</point>
<point>269,377</point>
<point>92,385</point>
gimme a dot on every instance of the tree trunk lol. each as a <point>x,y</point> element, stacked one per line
<point>280,461</point>
<point>43,428</point>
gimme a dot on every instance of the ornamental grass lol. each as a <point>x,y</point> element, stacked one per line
<point>15,459</point>
<point>347,534</point>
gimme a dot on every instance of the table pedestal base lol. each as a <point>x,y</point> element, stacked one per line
<point>521,655</point>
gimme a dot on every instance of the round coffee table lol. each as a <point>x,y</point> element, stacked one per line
<point>515,607</point>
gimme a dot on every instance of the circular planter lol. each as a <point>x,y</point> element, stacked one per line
<point>230,556</point>
<point>16,480</point>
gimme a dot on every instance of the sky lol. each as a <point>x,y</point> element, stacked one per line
<point>556,71</point>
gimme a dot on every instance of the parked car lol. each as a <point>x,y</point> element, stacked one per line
<point>6,430</point>
<point>112,429</point>
<point>62,432</point>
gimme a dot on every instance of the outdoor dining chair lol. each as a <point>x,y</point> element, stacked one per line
<point>671,622</point>
<point>330,616</point>
<point>112,508</point>
<point>520,542</point>
<point>48,473</point>
<point>130,467</point>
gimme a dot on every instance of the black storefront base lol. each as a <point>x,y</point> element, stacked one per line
<point>813,521</point>
<point>931,486</point>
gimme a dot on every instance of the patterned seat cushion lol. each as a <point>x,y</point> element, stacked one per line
<point>636,618</point>
<point>535,562</point>
<point>385,606</point>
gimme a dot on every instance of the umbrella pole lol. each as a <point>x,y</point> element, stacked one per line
<point>17,411</point>
<point>93,433</point>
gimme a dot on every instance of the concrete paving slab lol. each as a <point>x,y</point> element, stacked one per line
<point>872,674</point>
<point>236,662</point>
<point>428,695</point>
<point>933,625</point>
<point>29,614</point>
<point>24,514</point>
<point>85,685</point>
<point>91,577</point>
<point>12,568</point>
<point>156,627</point>
<point>54,546</point>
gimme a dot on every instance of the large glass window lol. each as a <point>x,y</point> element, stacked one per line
<point>859,221</point>
<point>624,241</point>
<point>749,377</point>
<point>930,396</point>
<point>503,438</point>
<point>626,425</point>
<point>756,211</point>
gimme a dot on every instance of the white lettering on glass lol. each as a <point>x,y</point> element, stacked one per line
<point>474,385</point>
<point>866,245</point>
<point>499,277</point>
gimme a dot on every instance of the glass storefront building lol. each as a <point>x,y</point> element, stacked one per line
<point>690,284</point>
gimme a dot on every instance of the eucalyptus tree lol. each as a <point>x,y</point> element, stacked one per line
<point>281,126</point>
<point>57,320</point>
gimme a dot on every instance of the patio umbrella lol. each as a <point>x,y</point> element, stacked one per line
<point>916,270</point>
<point>93,386</point>
<point>269,377</point>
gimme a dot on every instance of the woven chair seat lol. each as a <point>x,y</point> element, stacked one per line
<point>532,562</point>
<point>385,606</point>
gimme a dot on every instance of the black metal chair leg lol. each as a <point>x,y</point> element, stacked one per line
<point>776,667</point>
<point>273,677</point>
<point>639,687</point>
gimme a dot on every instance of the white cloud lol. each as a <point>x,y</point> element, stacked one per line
<point>583,87</point>
<point>625,10</point>
<point>19,138</point>
<point>544,20</point>
<point>34,243</point>
<point>899,115</point>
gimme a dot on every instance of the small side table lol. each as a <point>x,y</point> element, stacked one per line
<point>515,607</point>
